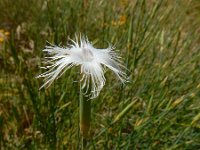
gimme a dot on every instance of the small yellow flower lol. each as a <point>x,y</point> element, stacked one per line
<point>122,20</point>
<point>7,33</point>
<point>1,40</point>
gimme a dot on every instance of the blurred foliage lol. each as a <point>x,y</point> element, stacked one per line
<point>159,42</point>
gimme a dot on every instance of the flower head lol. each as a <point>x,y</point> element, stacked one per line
<point>92,63</point>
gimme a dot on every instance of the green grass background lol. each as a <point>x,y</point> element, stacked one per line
<point>159,41</point>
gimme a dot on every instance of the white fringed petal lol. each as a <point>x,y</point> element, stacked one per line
<point>91,61</point>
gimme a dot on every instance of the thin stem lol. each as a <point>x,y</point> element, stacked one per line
<point>85,113</point>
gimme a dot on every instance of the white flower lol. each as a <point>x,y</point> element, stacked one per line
<point>92,63</point>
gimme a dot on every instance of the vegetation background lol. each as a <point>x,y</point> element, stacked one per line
<point>159,41</point>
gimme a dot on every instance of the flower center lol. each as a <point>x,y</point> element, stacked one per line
<point>87,54</point>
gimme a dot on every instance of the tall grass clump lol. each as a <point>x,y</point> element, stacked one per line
<point>157,109</point>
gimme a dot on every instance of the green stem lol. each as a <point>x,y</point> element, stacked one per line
<point>85,112</point>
